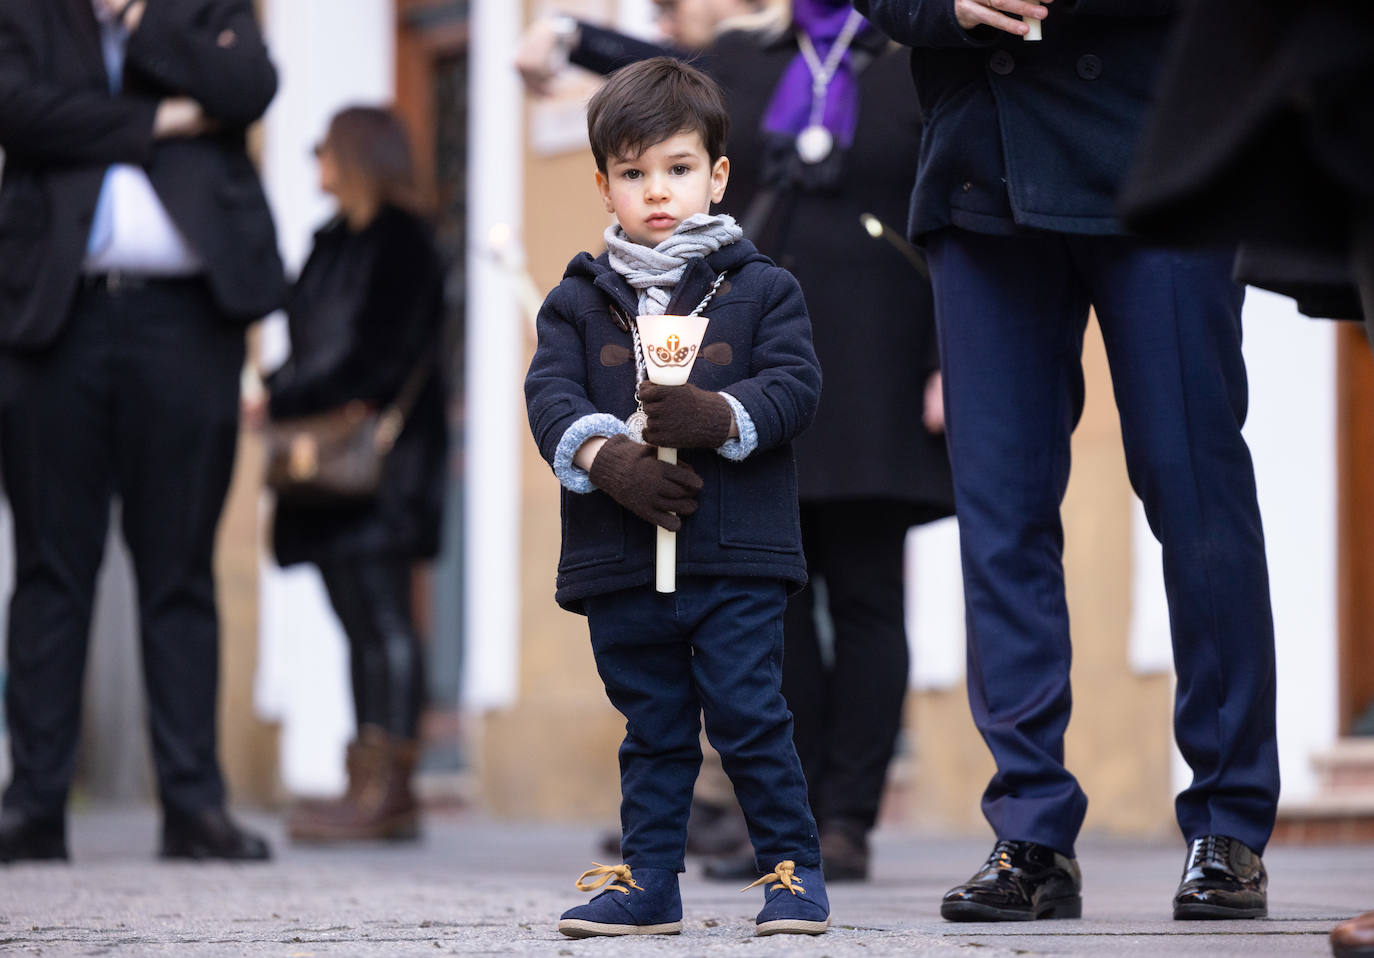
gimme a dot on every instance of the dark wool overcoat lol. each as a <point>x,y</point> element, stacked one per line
<point>757,347</point>
<point>1264,132</point>
<point>364,315</point>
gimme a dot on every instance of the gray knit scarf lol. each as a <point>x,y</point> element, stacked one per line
<point>654,272</point>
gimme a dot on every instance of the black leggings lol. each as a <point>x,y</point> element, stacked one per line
<point>372,599</point>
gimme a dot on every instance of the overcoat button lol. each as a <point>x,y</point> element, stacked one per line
<point>1089,66</point>
<point>1001,63</point>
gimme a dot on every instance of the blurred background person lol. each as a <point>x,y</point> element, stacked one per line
<point>135,245</point>
<point>364,321</point>
<point>552,42</point>
<point>823,134</point>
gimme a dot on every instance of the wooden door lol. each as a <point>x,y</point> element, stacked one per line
<point>1355,520</point>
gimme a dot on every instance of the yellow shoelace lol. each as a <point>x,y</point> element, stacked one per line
<point>784,873</point>
<point>608,873</point>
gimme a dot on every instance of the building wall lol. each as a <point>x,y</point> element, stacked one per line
<point>329,55</point>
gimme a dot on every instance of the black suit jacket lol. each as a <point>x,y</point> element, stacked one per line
<point>61,128</point>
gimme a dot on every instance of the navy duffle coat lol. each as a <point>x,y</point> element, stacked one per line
<point>757,347</point>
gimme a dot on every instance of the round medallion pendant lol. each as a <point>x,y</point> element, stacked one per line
<point>814,143</point>
<point>634,426</point>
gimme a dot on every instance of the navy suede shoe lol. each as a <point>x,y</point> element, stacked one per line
<point>646,902</point>
<point>794,901</point>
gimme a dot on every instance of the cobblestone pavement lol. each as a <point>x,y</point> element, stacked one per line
<point>477,887</point>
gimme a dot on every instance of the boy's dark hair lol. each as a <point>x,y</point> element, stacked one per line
<point>648,102</point>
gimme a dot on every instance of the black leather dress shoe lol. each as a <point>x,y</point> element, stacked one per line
<point>1222,878</point>
<point>1020,881</point>
<point>30,838</point>
<point>210,833</point>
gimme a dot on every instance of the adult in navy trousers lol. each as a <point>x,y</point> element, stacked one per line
<point>135,245</point>
<point>1026,143</point>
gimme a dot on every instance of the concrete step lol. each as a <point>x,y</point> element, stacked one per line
<point>1347,768</point>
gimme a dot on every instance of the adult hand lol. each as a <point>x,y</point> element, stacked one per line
<point>1000,14</point>
<point>540,57</point>
<point>933,408</point>
<point>180,116</point>
<point>658,492</point>
<point>685,417</point>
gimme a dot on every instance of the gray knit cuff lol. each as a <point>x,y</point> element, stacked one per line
<point>597,424</point>
<point>738,449</point>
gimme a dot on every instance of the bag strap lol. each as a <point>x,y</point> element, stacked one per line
<point>393,418</point>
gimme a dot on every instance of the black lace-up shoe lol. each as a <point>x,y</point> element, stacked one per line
<point>32,838</point>
<point>1020,881</point>
<point>210,833</point>
<point>1222,878</point>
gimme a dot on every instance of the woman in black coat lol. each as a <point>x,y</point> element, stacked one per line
<point>873,463</point>
<point>364,320</point>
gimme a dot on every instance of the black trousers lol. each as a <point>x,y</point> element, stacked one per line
<point>371,596</point>
<point>138,399</point>
<point>847,711</point>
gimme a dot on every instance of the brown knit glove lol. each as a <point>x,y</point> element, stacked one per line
<point>630,473</point>
<point>685,417</point>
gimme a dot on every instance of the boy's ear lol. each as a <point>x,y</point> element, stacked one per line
<point>720,175</point>
<point>603,186</point>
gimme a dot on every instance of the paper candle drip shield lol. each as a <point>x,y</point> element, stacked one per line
<point>670,345</point>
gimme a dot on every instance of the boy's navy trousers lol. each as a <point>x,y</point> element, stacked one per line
<point>713,648</point>
<point>1011,313</point>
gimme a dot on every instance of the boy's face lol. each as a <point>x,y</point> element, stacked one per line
<point>651,194</point>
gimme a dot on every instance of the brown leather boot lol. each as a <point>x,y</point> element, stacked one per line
<point>308,807</point>
<point>379,804</point>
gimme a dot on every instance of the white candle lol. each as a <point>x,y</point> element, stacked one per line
<point>1032,28</point>
<point>670,345</point>
<point>665,553</point>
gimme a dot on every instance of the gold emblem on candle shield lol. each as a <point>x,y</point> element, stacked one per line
<point>671,353</point>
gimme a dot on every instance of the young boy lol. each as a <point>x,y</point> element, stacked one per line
<point>714,646</point>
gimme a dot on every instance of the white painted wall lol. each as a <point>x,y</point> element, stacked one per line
<point>495,421</point>
<point>329,55</point>
<point>935,605</point>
